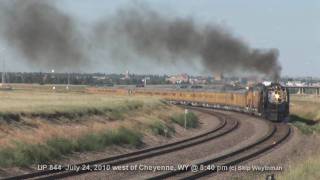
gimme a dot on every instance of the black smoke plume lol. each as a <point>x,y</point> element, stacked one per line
<point>46,36</point>
<point>163,39</point>
<point>49,37</point>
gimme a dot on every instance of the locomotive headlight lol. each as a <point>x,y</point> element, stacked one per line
<point>277,96</point>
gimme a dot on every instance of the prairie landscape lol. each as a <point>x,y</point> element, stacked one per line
<point>38,126</point>
<point>305,115</point>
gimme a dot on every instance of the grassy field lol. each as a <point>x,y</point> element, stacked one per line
<point>48,87</point>
<point>305,115</point>
<point>41,126</point>
<point>34,102</point>
<point>307,169</point>
<point>25,154</point>
<point>191,120</point>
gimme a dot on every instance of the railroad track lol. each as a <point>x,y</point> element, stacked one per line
<point>225,126</point>
<point>277,134</point>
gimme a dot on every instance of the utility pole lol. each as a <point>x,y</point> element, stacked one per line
<point>185,118</point>
<point>53,82</point>
<point>68,82</point>
<point>3,74</point>
<point>3,78</point>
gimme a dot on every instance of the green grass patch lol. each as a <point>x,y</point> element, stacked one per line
<point>191,118</point>
<point>160,128</point>
<point>10,117</point>
<point>26,154</point>
<point>306,126</point>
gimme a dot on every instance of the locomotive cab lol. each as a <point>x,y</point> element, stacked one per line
<point>276,102</point>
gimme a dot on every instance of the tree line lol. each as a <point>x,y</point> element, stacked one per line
<point>98,79</point>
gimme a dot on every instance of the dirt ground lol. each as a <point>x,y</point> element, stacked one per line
<point>250,130</point>
<point>286,155</point>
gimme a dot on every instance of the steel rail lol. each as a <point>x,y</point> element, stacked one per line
<point>141,154</point>
<point>243,158</point>
<point>233,157</point>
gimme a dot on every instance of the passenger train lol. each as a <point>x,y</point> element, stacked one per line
<point>270,102</point>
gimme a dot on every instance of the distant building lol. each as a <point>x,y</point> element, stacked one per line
<point>317,84</point>
<point>99,78</point>
<point>178,79</point>
<point>218,76</point>
<point>126,75</point>
<point>198,80</point>
<point>252,80</point>
<point>295,83</point>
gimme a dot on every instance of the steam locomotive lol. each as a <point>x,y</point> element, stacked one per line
<point>270,102</point>
<point>275,103</point>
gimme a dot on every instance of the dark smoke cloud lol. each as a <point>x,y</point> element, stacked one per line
<point>46,36</point>
<point>157,37</point>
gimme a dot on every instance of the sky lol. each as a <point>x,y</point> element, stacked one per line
<point>292,26</point>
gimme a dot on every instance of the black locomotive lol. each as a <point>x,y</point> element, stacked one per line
<point>275,101</point>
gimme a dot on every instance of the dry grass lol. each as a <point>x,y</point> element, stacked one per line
<point>39,129</point>
<point>306,106</point>
<point>306,169</point>
<point>86,116</point>
<point>27,154</point>
<point>46,130</point>
<point>49,102</point>
<point>48,87</point>
<point>305,112</point>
